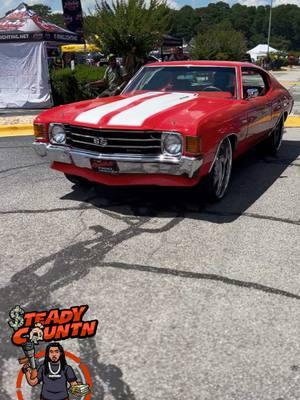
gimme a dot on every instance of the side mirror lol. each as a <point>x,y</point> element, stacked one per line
<point>251,93</point>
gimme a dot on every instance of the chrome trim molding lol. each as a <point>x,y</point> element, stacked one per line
<point>127,163</point>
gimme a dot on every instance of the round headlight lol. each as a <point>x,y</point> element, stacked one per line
<point>58,134</point>
<point>172,144</point>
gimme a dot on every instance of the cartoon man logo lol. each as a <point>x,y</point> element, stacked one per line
<point>57,377</point>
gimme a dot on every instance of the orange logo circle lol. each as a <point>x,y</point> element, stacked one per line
<point>84,372</point>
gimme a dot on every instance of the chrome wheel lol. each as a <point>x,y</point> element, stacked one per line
<point>221,171</point>
<point>277,136</point>
<point>272,144</point>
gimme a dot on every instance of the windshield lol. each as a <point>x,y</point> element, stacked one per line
<point>184,79</point>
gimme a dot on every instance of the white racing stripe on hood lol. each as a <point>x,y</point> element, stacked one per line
<point>136,115</point>
<point>94,115</point>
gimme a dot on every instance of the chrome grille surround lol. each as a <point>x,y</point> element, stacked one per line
<point>111,141</point>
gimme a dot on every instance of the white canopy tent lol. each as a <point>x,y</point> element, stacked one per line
<point>261,50</point>
<point>24,74</point>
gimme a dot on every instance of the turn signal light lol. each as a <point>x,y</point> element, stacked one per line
<point>40,132</point>
<point>193,144</point>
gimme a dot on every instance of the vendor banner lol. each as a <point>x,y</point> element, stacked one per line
<point>38,36</point>
<point>73,16</point>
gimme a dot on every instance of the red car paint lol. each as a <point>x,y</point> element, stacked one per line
<point>212,116</point>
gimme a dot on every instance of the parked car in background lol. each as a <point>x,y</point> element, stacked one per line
<point>175,124</point>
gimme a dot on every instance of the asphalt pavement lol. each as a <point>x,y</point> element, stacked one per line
<point>194,301</point>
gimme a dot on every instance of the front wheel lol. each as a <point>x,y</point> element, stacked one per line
<point>218,179</point>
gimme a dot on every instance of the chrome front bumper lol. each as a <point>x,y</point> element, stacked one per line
<point>127,163</point>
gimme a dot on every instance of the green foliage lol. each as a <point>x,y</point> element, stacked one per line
<point>251,21</point>
<point>41,9</point>
<point>86,73</point>
<point>124,24</point>
<point>46,12</point>
<point>57,19</point>
<point>64,86</point>
<point>220,42</point>
<point>90,26</point>
<point>279,42</point>
<point>69,86</point>
<point>213,14</point>
<point>185,23</point>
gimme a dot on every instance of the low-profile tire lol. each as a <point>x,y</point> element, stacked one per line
<point>272,144</point>
<point>217,181</point>
<point>77,180</point>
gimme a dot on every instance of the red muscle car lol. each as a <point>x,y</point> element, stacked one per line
<point>174,124</point>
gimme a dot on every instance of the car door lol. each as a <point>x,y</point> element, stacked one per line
<point>256,92</point>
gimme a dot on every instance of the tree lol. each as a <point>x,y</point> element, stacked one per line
<point>279,42</point>
<point>122,25</point>
<point>185,23</point>
<point>41,9</point>
<point>220,42</point>
<point>90,26</point>
<point>213,14</point>
<point>57,19</point>
<point>242,18</point>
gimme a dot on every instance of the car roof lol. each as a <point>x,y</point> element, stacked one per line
<point>203,62</point>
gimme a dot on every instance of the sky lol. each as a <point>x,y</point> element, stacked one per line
<point>87,5</point>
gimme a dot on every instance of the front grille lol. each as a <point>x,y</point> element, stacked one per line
<point>108,141</point>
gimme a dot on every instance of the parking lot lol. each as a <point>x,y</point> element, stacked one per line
<point>195,301</point>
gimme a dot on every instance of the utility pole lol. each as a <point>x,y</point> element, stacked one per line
<point>269,31</point>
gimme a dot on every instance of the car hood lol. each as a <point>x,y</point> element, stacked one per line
<point>173,111</point>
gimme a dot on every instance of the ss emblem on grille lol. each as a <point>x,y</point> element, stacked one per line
<point>101,141</point>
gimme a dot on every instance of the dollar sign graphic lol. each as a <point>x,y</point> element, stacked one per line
<point>16,318</point>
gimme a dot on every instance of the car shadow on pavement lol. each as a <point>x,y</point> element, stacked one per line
<point>252,176</point>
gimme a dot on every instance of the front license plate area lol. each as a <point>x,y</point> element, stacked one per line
<point>105,166</point>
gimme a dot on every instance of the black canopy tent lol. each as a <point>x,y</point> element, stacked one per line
<point>171,41</point>
<point>168,42</point>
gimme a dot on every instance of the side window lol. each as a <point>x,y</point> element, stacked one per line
<point>254,82</point>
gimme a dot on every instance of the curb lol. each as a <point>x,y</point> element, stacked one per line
<point>293,121</point>
<point>16,130</point>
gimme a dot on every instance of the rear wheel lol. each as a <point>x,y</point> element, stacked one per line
<point>218,179</point>
<point>77,180</point>
<point>272,144</point>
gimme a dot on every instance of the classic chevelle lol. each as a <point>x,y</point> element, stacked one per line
<point>173,125</point>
